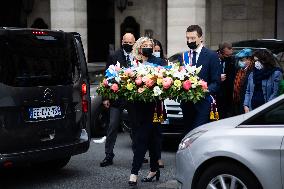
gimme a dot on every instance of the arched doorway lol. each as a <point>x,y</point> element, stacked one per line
<point>130,25</point>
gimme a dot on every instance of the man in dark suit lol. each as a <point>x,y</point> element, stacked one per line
<point>124,57</point>
<point>228,71</point>
<point>197,114</point>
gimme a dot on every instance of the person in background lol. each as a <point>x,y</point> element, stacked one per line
<point>145,133</point>
<point>39,23</point>
<point>245,65</point>
<point>227,65</point>
<point>263,81</point>
<point>197,114</point>
<point>158,51</point>
<point>124,57</point>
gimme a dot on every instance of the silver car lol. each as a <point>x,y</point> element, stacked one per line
<point>242,152</point>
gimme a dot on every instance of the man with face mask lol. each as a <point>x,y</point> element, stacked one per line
<point>124,57</point>
<point>227,66</point>
<point>197,114</point>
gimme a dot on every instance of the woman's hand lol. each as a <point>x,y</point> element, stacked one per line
<point>246,109</point>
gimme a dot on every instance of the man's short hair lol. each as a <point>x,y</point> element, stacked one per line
<point>196,28</point>
<point>224,45</point>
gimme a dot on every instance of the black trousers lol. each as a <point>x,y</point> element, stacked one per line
<point>145,136</point>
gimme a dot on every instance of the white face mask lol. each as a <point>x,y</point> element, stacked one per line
<point>157,54</point>
<point>258,65</point>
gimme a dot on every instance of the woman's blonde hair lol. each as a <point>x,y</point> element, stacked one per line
<point>137,46</point>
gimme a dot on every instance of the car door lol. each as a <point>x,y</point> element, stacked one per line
<point>270,123</point>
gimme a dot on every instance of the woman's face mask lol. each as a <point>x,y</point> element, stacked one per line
<point>242,64</point>
<point>157,54</point>
<point>147,51</point>
<point>258,65</point>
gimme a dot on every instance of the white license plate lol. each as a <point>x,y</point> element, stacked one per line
<point>45,112</point>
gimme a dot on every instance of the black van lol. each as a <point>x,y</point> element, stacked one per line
<point>44,97</point>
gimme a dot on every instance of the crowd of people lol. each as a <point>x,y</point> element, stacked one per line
<point>238,83</point>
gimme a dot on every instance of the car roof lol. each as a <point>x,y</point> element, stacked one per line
<point>274,45</point>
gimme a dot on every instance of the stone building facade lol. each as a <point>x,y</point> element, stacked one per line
<point>101,22</point>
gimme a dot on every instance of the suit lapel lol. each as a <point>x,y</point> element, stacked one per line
<point>201,57</point>
<point>122,59</point>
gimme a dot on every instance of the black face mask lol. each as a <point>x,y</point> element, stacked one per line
<point>147,52</point>
<point>127,47</point>
<point>192,45</point>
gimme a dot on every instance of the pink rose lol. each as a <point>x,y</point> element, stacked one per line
<point>138,81</point>
<point>181,68</point>
<point>128,72</point>
<point>150,83</point>
<point>105,83</point>
<point>141,90</point>
<point>167,82</point>
<point>204,85</point>
<point>145,79</point>
<point>186,85</point>
<point>114,87</point>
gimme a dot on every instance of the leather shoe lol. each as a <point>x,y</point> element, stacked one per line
<point>106,162</point>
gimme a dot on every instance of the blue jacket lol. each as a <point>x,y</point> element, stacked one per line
<point>269,88</point>
<point>210,71</point>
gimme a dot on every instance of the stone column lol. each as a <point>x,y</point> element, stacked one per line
<point>70,16</point>
<point>181,14</point>
<point>280,20</point>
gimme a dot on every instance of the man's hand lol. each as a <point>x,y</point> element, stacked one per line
<point>246,109</point>
<point>223,77</point>
<point>106,103</point>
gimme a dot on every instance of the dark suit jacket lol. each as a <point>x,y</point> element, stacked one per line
<point>118,56</point>
<point>210,71</point>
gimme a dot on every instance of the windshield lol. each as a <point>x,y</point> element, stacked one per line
<point>27,59</point>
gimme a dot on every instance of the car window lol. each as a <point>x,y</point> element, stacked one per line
<point>37,60</point>
<point>271,116</point>
<point>96,76</point>
<point>174,58</point>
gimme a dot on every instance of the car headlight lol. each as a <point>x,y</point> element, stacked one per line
<point>187,141</point>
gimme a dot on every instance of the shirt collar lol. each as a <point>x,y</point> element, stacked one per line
<point>199,48</point>
<point>125,53</point>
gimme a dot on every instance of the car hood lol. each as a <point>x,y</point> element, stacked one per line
<point>227,123</point>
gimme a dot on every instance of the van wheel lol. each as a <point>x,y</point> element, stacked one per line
<point>52,165</point>
<point>227,175</point>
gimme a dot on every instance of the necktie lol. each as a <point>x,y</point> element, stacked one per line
<point>193,58</point>
<point>128,61</point>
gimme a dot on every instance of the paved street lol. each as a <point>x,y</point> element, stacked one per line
<point>83,171</point>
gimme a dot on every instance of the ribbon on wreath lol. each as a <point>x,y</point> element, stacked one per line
<point>214,115</point>
<point>156,118</point>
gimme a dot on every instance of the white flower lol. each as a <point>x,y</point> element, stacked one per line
<point>117,79</point>
<point>157,91</point>
<point>179,75</point>
<point>198,69</point>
